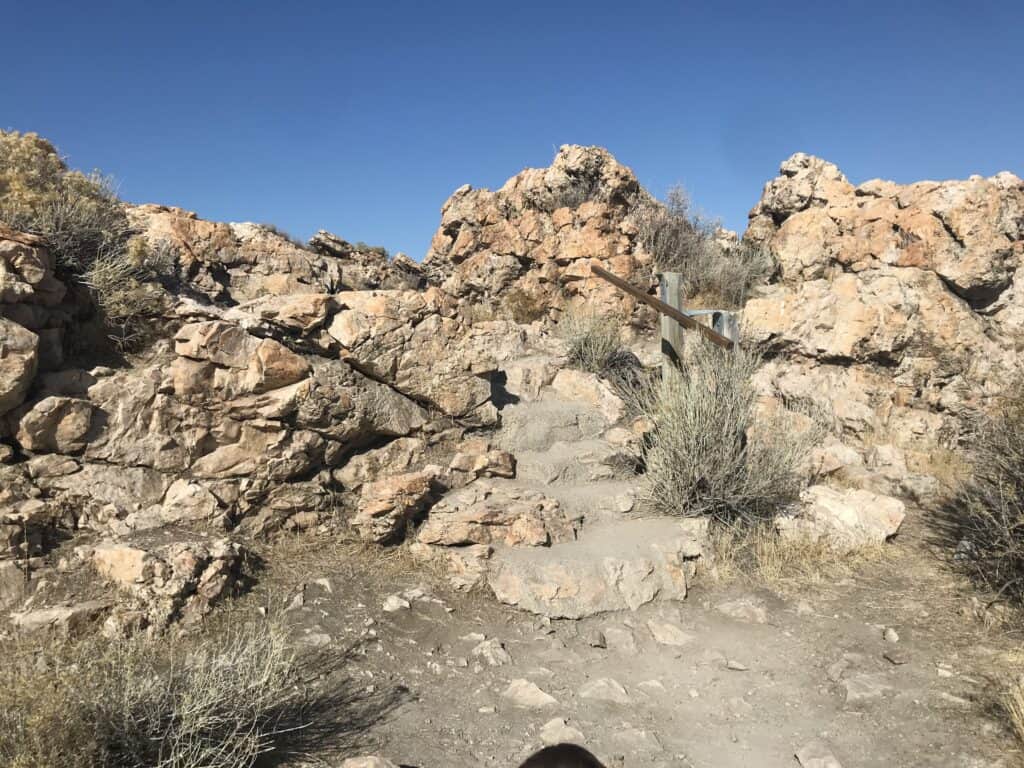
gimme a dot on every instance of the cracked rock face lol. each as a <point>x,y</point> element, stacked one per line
<point>897,301</point>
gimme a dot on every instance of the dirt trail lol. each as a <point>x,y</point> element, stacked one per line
<point>732,676</point>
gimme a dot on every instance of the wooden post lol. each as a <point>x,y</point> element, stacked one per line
<point>671,330</point>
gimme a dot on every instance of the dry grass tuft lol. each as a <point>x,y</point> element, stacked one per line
<point>592,341</point>
<point>1011,702</point>
<point>205,702</point>
<point>523,306</point>
<point>682,241</point>
<point>758,555</point>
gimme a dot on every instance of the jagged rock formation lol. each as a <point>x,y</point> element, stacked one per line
<point>896,309</point>
<point>296,387</point>
<point>527,247</point>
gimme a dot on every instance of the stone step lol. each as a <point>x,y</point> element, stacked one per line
<point>565,462</point>
<point>536,426</point>
<point>612,567</point>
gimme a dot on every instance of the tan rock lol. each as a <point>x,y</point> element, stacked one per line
<point>18,363</point>
<point>589,388</point>
<point>489,513</point>
<point>387,506</point>
<point>56,424</point>
<point>845,519</point>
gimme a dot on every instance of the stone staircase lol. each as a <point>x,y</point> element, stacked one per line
<point>621,558</point>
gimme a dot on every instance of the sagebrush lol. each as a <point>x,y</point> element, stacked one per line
<point>682,241</point>
<point>987,515</point>
<point>139,703</point>
<point>710,449</point>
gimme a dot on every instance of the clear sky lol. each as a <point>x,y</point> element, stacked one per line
<point>362,118</point>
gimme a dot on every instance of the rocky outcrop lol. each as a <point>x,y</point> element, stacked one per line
<point>895,307</point>
<point>526,249</point>
<point>367,268</point>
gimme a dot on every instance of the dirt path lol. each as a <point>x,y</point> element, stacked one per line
<point>734,675</point>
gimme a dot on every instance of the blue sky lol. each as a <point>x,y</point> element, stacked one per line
<point>362,118</point>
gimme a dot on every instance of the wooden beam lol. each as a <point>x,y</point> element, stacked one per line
<point>680,317</point>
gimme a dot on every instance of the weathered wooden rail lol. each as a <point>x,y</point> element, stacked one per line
<point>673,317</point>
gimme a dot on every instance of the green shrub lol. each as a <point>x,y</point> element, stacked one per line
<point>681,241</point>
<point>132,703</point>
<point>987,514</point>
<point>708,451</point>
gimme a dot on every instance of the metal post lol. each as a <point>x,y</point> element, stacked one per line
<point>671,330</point>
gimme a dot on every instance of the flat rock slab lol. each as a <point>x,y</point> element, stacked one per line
<point>666,633</point>
<point>523,693</point>
<point>817,754</point>
<point>605,689</point>
<point>617,566</point>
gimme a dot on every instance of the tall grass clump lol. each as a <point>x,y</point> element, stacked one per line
<point>710,451</point>
<point>138,703</point>
<point>682,241</point>
<point>592,341</point>
<point>987,515</point>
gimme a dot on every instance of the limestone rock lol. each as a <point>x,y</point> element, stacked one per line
<point>534,238</point>
<point>522,693</point>
<point>622,567</point>
<point>846,519</point>
<point>66,619</point>
<point>589,388</point>
<point>605,689</point>
<point>487,512</point>
<point>558,731</point>
<point>817,754</point>
<point>56,424</point>
<point>19,361</point>
<point>174,580</point>
<point>387,506</point>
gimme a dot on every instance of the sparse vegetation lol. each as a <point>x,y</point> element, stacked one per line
<point>125,284</point>
<point>216,703</point>
<point>682,241</point>
<point>86,228</point>
<point>987,514</point>
<point>78,214</point>
<point>592,340</point>
<point>523,306</point>
<point>708,451</point>
<point>286,235</point>
<point>756,553</point>
<point>1011,703</point>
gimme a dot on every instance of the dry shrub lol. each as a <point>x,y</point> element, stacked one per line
<point>592,340</point>
<point>85,226</point>
<point>758,554</point>
<point>216,703</point>
<point>1011,704</point>
<point>78,214</point>
<point>987,515</point>
<point>126,288</point>
<point>523,306</point>
<point>710,451</point>
<point>682,241</point>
